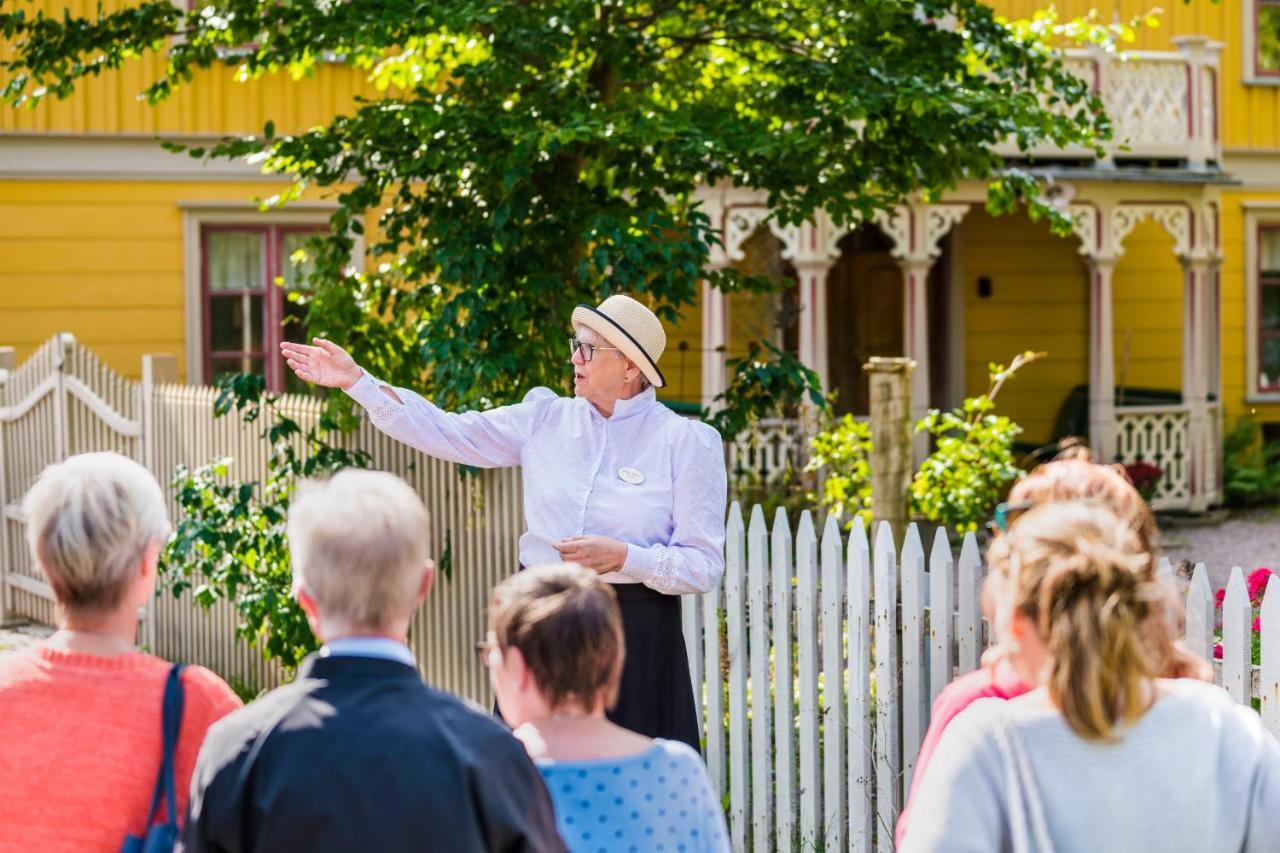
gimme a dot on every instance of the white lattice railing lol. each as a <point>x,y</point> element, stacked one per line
<point>766,450</point>
<point>1162,104</point>
<point>1160,435</point>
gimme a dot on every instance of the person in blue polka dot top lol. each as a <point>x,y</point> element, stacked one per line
<point>554,652</point>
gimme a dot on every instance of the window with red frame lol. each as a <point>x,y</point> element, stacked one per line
<point>1269,309</point>
<point>1266,38</point>
<point>246,313</point>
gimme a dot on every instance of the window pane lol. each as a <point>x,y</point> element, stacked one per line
<point>1268,37</point>
<point>227,365</point>
<point>295,275</point>
<point>1269,249</point>
<point>234,260</point>
<point>235,323</point>
<point>1270,319</point>
<point>1269,364</point>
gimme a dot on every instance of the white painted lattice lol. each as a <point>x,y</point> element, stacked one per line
<point>1161,436</point>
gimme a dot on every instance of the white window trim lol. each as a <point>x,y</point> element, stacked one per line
<point>1248,44</point>
<point>196,215</point>
<point>1256,215</point>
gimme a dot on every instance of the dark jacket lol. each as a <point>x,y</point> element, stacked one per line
<point>359,754</point>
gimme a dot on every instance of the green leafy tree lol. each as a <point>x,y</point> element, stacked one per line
<point>524,157</point>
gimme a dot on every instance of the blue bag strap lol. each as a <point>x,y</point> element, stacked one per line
<point>171,725</point>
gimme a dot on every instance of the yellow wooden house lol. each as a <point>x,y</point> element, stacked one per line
<point>1161,315</point>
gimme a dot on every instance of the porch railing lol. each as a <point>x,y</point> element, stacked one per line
<point>1163,105</point>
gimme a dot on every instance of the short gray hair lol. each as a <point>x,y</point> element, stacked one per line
<point>90,520</point>
<point>359,543</point>
<point>588,335</point>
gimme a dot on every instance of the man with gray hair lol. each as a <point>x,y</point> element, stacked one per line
<point>358,753</point>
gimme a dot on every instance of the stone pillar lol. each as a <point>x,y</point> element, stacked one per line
<point>891,465</point>
<point>1102,365</point>
<point>715,342</point>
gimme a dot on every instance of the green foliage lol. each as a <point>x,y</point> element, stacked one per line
<point>766,383</point>
<point>521,158</point>
<point>1251,466</point>
<point>230,538</point>
<point>957,485</point>
<point>843,451</point>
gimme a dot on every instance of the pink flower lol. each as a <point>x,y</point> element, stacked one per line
<point>1217,651</point>
<point>1257,584</point>
<point>1219,596</point>
<point>1257,624</point>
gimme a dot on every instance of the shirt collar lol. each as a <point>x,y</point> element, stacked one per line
<point>632,406</point>
<point>369,647</point>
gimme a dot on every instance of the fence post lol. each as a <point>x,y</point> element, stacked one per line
<point>66,342</point>
<point>969,618</point>
<point>807,649</point>
<point>6,366</point>
<point>761,723</point>
<point>1269,689</point>
<point>1200,615</point>
<point>834,725</point>
<point>784,735</point>
<point>156,368</point>
<point>914,715</point>
<point>736,637</point>
<point>888,689</point>
<point>890,461</point>
<point>1237,656</point>
<point>861,754</point>
<point>941,612</point>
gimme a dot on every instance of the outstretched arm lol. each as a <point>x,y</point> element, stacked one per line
<point>490,439</point>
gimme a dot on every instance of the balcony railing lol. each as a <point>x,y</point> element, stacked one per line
<point>1163,104</point>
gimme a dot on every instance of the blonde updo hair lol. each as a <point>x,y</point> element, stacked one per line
<point>1082,576</point>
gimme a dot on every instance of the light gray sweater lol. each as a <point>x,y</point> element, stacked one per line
<point>1197,774</point>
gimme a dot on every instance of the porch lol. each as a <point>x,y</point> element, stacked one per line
<point>918,281</point>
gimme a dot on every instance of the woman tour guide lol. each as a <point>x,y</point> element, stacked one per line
<point>613,481</point>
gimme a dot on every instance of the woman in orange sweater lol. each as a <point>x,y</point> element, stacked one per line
<point>80,713</point>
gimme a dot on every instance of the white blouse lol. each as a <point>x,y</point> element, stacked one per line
<point>644,476</point>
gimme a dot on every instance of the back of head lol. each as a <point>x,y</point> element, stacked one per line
<point>89,522</point>
<point>566,623</point>
<point>1078,572</point>
<point>1074,477</point>
<point>358,544</point>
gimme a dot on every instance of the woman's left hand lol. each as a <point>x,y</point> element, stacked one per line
<point>597,553</point>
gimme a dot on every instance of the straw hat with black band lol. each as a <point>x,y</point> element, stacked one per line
<point>632,328</point>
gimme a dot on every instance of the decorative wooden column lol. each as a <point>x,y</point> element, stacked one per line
<point>715,341</point>
<point>1102,361</point>
<point>813,315</point>
<point>917,232</point>
<point>1199,273</point>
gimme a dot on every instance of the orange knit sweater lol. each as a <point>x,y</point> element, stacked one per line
<point>80,745</point>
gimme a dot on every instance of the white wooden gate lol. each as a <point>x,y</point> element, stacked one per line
<point>61,401</point>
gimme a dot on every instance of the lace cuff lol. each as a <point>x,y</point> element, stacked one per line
<point>367,392</point>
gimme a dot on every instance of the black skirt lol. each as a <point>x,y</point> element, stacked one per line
<point>656,696</point>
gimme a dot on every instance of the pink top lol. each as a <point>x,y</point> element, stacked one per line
<point>80,745</point>
<point>1001,683</point>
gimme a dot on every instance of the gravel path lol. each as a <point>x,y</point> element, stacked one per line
<point>1246,539</point>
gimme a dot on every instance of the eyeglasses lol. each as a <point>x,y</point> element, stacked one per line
<point>484,652</point>
<point>1005,514</point>
<point>587,350</point>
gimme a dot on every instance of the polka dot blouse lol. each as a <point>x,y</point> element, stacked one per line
<point>657,801</point>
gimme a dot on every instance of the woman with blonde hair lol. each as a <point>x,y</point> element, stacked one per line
<point>1070,477</point>
<point>1103,754</point>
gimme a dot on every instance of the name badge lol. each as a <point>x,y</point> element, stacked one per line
<point>630,475</point>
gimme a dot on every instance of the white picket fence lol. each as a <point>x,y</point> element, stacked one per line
<point>813,720</point>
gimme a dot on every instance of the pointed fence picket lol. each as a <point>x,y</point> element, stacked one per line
<point>841,647</point>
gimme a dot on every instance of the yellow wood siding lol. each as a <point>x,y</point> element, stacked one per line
<point>1038,302</point>
<point>212,104</point>
<point>102,260</point>
<point>1147,311</point>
